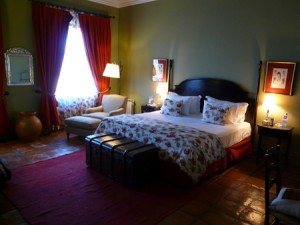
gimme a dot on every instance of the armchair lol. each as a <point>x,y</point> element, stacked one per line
<point>87,123</point>
<point>111,105</point>
<point>285,207</point>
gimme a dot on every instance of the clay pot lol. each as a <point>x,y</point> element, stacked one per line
<point>28,126</point>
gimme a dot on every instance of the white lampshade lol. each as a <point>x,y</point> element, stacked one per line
<point>112,70</point>
<point>269,104</point>
<point>162,90</point>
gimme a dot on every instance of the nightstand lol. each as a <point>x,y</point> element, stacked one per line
<point>150,108</point>
<point>278,133</point>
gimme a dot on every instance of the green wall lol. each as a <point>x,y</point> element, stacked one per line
<point>18,32</point>
<point>219,38</point>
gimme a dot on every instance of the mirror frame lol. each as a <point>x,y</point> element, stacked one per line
<point>19,67</point>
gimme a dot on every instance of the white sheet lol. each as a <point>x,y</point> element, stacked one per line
<point>229,134</point>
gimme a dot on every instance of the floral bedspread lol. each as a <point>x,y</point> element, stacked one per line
<point>192,149</point>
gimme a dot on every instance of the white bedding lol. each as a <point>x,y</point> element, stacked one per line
<point>229,134</point>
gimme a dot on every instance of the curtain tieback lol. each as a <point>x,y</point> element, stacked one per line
<point>6,93</point>
<point>101,92</point>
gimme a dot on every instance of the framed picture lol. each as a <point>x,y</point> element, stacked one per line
<point>160,69</point>
<point>279,77</point>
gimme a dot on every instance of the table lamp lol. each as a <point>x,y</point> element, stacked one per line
<point>269,105</point>
<point>113,71</point>
<point>162,91</point>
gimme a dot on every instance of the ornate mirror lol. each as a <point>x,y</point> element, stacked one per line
<point>19,67</point>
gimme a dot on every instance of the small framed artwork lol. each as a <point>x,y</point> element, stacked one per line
<point>279,77</point>
<point>160,69</point>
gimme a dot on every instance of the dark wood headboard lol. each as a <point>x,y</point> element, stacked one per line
<point>220,89</point>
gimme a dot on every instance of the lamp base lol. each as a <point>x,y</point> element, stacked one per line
<point>266,122</point>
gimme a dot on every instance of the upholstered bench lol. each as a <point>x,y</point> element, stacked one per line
<point>81,125</point>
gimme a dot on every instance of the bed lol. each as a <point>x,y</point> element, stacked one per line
<point>192,143</point>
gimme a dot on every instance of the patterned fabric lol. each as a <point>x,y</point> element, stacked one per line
<point>74,106</point>
<point>193,150</point>
<point>236,112</point>
<point>171,107</point>
<point>186,103</point>
<point>193,102</point>
<point>215,113</point>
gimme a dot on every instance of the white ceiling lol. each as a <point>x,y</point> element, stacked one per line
<point>120,3</point>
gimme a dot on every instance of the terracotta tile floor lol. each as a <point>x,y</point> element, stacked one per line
<point>233,197</point>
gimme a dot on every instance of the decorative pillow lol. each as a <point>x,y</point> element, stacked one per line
<point>287,202</point>
<point>215,113</point>
<point>171,107</point>
<point>170,94</point>
<point>193,103</point>
<point>237,110</point>
<point>185,100</point>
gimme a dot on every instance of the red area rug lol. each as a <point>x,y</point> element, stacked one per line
<point>64,191</point>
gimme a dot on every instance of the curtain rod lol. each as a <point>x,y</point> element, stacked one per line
<point>70,8</point>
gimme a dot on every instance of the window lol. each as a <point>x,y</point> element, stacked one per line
<point>75,89</point>
<point>75,78</point>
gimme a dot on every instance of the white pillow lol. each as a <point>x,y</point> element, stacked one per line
<point>215,100</point>
<point>194,103</point>
<point>237,110</point>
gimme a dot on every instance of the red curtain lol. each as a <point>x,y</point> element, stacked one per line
<point>97,40</point>
<point>50,31</point>
<point>4,119</point>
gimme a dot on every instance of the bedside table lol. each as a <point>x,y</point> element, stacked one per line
<point>150,108</point>
<point>278,133</point>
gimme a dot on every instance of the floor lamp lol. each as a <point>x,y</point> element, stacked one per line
<point>112,71</point>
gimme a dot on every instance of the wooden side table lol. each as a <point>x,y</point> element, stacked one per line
<point>149,108</point>
<point>278,133</point>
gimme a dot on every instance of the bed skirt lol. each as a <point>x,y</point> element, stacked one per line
<point>171,172</point>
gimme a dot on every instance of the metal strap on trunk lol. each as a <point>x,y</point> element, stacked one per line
<point>100,148</point>
<point>125,153</point>
<point>90,142</point>
<point>97,136</point>
<point>112,155</point>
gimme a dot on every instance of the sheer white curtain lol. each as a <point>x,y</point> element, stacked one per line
<point>76,89</point>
